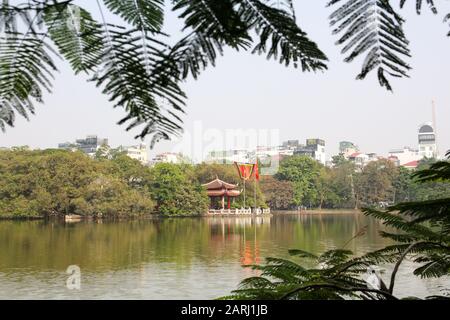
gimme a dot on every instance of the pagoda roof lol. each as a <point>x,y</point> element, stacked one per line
<point>218,184</point>
<point>223,192</point>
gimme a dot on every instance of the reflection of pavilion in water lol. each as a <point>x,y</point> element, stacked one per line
<point>242,231</point>
<point>250,253</point>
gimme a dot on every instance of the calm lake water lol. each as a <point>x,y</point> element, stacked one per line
<point>177,258</point>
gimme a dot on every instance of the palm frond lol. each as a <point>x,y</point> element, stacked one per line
<point>143,14</point>
<point>194,53</point>
<point>215,19</point>
<point>12,17</point>
<point>393,219</point>
<point>26,69</point>
<point>335,257</point>
<point>280,37</point>
<point>284,5</point>
<point>78,37</point>
<point>439,171</point>
<point>137,76</point>
<point>419,4</point>
<point>447,19</point>
<point>372,28</point>
<point>302,254</point>
<point>437,266</point>
<point>405,237</point>
<point>256,282</point>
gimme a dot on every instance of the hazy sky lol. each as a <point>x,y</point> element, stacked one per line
<point>247,91</point>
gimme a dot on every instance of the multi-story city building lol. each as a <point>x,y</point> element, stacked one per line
<point>138,152</point>
<point>427,141</point>
<point>404,155</point>
<point>314,148</point>
<point>304,151</point>
<point>409,157</point>
<point>169,157</point>
<point>89,145</point>
<point>347,148</point>
<point>318,146</point>
<point>290,144</point>
<point>229,156</point>
<point>360,159</point>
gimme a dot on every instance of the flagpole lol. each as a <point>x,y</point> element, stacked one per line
<point>244,193</point>
<point>255,184</point>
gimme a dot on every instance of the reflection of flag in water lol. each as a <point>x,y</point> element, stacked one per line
<point>245,170</point>
<point>250,254</point>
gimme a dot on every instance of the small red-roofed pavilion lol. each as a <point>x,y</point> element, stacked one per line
<point>222,189</point>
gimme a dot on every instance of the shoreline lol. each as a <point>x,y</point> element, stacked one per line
<point>162,216</point>
<point>319,211</point>
<point>93,218</point>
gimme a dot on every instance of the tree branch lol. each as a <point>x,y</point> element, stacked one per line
<point>397,266</point>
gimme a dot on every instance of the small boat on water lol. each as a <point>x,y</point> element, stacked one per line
<point>72,218</point>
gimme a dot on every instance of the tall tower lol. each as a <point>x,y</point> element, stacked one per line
<point>427,141</point>
<point>433,112</point>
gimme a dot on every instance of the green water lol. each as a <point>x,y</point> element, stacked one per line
<point>178,258</point>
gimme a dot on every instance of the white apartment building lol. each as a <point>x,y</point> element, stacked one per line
<point>360,159</point>
<point>170,157</point>
<point>229,156</point>
<point>405,155</point>
<point>138,152</point>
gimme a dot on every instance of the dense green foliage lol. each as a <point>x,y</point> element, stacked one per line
<point>176,193</point>
<point>379,183</point>
<point>56,182</point>
<point>334,276</point>
<point>133,64</point>
<point>278,194</point>
<point>302,171</point>
<point>41,183</point>
<point>420,231</point>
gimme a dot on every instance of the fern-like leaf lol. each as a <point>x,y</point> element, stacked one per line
<point>419,4</point>
<point>437,266</point>
<point>215,19</point>
<point>140,80</point>
<point>194,53</point>
<point>26,69</point>
<point>284,5</point>
<point>143,14</point>
<point>281,38</point>
<point>78,37</point>
<point>372,28</point>
<point>447,19</point>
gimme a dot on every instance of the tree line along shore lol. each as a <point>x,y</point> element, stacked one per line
<point>52,182</point>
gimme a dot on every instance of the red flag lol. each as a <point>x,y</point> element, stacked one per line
<point>256,171</point>
<point>245,170</point>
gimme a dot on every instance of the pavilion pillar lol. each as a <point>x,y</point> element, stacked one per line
<point>223,202</point>
<point>229,203</point>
